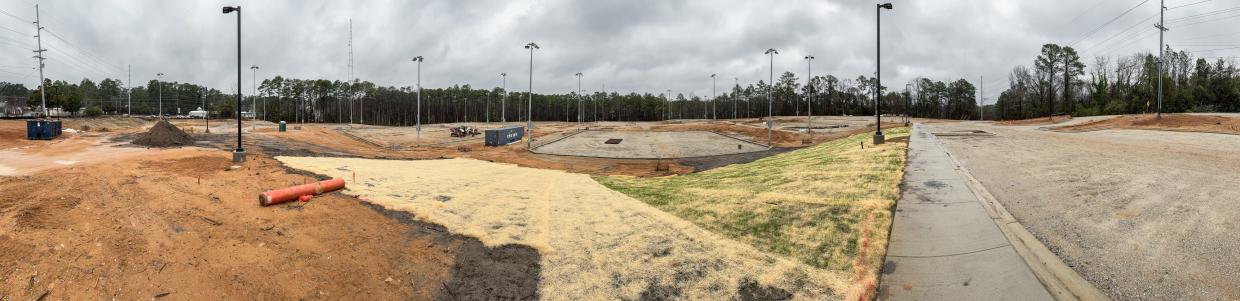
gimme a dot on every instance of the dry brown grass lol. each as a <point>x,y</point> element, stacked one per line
<point>596,243</point>
<point>827,206</point>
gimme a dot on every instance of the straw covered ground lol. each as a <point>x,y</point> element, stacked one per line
<point>595,243</point>
<point>827,206</point>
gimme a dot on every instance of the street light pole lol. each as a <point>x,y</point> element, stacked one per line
<point>239,153</point>
<point>417,140</point>
<point>770,98</point>
<point>529,112</point>
<point>714,114</point>
<point>809,97</point>
<point>503,106</point>
<point>254,94</point>
<point>878,83</point>
<point>668,99</point>
<point>159,78</point>
<point>579,101</point>
<point>735,98</point>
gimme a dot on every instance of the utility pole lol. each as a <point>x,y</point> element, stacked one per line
<point>1162,9</point>
<point>981,96</point>
<point>39,55</point>
<point>737,82</point>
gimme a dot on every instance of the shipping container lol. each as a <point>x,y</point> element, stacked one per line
<point>504,135</point>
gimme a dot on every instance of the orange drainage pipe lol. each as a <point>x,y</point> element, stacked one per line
<point>276,196</point>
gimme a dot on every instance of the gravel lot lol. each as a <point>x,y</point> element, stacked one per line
<point>1143,215</point>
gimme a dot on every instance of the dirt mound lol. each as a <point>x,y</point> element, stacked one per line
<point>1037,121</point>
<point>164,134</point>
<point>1169,122</point>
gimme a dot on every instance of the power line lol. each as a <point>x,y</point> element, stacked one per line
<point>15,16</point>
<point>1091,32</point>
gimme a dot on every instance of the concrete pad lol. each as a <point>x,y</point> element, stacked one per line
<point>648,145</point>
<point>982,275</point>
<point>943,244</point>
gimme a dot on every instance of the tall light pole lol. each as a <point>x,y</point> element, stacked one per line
<point>239,153</point>
<point>418,111</point>
<point>529,113</point>
<point>878,82</point>
<point>735,98</point>
<point>668,100</point>
<point>578,101</point>
<point>908,102</point>
<point>714,114</point>
<point>503,106</point>
<point>809,97</point>
<point>159,79</point>
<point>254,94</point>
<point>770,98</point>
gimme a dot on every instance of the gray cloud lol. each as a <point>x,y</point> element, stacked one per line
<point>638,46</point>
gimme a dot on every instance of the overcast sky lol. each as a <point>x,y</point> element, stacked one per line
<point>627,45</point>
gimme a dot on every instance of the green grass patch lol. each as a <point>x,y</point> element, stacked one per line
<point>809,204</point>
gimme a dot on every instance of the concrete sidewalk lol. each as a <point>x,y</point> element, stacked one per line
<point>944,246</point>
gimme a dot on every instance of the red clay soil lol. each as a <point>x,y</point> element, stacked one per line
<point>1168,122</point>
<point>164,134</point>
<point>1037,121</point>
<point>180,224</point>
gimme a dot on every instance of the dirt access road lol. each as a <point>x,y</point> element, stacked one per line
<point>1143,215</point>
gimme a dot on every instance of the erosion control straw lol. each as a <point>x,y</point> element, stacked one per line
<point>276,196</point>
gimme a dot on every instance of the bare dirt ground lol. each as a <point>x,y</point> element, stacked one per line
<point>89,215</point>
<point>1169,122</point>
<point>596,243</point>
<point>1038,121</point>
<point>1143,215</point>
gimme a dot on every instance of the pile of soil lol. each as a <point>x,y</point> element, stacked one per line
<point>1169,122</point>
<point>164,134</point>
<point>1037,121</point>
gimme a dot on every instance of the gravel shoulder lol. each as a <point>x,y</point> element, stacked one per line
<point>1143,215</point>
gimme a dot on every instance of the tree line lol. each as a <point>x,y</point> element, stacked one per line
<point>1058,84</point>
<point>335,101</point>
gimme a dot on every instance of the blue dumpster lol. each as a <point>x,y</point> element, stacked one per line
<point>504,135</point>
<point>42,129</point>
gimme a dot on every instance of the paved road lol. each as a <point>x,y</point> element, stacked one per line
<point>1142,215</point>
<point>943,244</point>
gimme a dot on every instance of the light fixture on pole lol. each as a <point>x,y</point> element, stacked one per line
<point>713,93</point>
<point>417,129</point>
<point>770,98</point>
<point>668,99</point>
<point>503,106</point>
<point>239,153</point>
<point>735,98</point>
<point>878,82</point>
<point>159,79</point>
<point>579,101</point>
<point>529,112</point>
<point>809,96</point>
<point>254,94</point>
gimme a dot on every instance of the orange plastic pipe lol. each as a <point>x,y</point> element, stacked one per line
<point>276,196</point>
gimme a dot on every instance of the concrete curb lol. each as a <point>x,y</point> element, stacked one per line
<point>1060,280</point>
